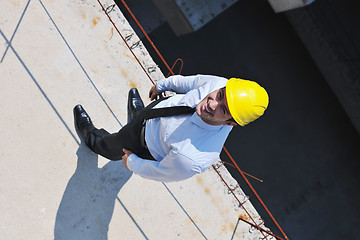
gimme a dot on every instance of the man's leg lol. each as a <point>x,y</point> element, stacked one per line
<point>90,134</point>
<point>105,144</point>
<point>111,145</point>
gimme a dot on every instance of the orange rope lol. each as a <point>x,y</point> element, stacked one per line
<point>147,37</point>
<point>181,65</point>
<point>244,172</point>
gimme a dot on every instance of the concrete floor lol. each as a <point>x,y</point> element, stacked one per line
<point>54,55</point>
<point>304,148</point>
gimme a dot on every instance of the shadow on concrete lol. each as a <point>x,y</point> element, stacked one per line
<point>88,202</point>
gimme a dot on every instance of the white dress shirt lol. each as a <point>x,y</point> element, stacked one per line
<point>182,145</point>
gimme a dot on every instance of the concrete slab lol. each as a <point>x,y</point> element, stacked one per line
<point>56,54</point>
<point>186,16</point>
<point>286,5</point>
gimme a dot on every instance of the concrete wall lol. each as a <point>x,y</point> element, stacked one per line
<point>329,30</point>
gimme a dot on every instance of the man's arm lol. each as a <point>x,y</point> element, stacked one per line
<point>176,83</point>
<point>184,84</point>
<point>174,167</point>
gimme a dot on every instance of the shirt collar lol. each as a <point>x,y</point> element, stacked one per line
<point>196,119</point>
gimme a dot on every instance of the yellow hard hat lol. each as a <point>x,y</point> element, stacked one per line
<point>246,99</point>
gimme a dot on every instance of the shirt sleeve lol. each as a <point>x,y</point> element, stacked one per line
<point>184,84</point>
<point>174,167</point>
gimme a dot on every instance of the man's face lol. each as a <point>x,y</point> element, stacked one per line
<point>214,110</point>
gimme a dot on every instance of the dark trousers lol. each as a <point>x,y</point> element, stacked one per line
<point>110,145</point>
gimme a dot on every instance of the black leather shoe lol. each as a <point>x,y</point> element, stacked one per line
<point>135,104</point>
<point>83,122</point>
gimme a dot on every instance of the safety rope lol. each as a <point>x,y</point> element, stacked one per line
<point>243,174</point>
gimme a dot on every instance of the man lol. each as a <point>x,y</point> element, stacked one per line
<point>175,138</point>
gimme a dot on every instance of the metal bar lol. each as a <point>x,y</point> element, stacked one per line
<point>124,40</point>
<point>261,229</point>
<point>236,198</point>
<point>256,194</point>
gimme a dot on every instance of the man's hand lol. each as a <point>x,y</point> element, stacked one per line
<point>154,93</point>
<point>124,158</point>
